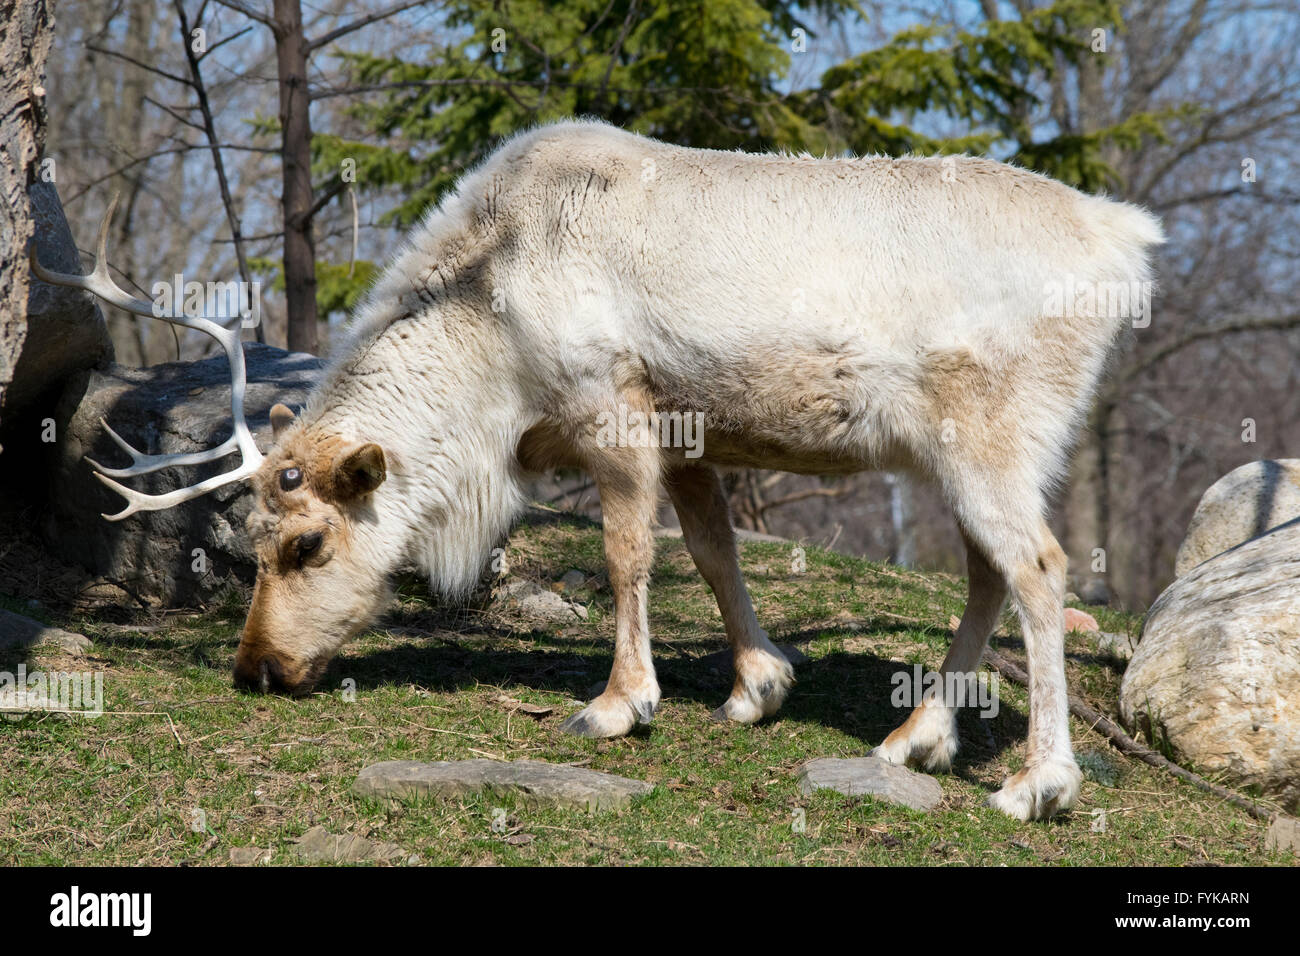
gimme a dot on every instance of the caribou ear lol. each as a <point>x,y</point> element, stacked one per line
<point>281,418</point>
<point>359,471</point>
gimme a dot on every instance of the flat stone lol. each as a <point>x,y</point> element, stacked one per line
<point>871,776</point>
<point>537,606</point>
<point>17,631</point>
<point>1283,833</point>
<point>1119,646</point>
<point>533,780</point>
<point>318,845</point>
<point>249,856</point>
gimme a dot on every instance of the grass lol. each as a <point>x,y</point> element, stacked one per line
<point>252,771</point>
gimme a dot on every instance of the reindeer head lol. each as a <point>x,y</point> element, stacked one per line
<point>319,579</point>
<point>318,582</point>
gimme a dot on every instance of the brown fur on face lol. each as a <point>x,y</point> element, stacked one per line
<point>315,587</point>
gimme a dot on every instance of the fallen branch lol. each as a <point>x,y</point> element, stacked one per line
<point>1122,742</point>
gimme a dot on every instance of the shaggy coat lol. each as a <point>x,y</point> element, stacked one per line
<point>944,317</point>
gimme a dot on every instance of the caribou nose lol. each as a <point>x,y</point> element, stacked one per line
<point>254,675</point>
<point>268,674</point>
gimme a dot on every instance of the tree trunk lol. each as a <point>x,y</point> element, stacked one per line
<point>902,517</point>
<point>26,29</point>
<point>1086,513</point>
<point>295,124</point>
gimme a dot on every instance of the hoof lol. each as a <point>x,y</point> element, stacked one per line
<point>1039,791</point>
<point>926,740</point>
<point>610,716</point>
<point>763,678</point>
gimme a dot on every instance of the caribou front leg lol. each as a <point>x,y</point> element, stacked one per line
<point>628,481</point>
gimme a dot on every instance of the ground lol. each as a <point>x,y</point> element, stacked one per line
<point>184,768</point>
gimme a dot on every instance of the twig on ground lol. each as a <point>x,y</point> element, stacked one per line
<point>103,713</point>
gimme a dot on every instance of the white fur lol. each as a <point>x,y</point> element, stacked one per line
<point>825,315</point>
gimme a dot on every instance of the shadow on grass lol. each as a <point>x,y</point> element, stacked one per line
<point>848,692</point>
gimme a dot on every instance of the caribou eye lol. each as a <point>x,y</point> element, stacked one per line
<point>290,479</point>
<point>308,544</point>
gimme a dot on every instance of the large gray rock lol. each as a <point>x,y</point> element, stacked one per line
<point>531,780</point>
<point>22,633</point>
<point>1241,505</point>
<point>871,776</point>
<point>177,407</point>
<point>1217,672</point>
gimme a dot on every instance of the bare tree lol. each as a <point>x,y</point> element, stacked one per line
<point>298,201</point>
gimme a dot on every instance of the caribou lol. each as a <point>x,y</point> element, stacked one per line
<point>815,315</point>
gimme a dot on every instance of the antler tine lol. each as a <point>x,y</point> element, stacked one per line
<point>143,464</point>
<point>138,501</point>
<point>99,282</point>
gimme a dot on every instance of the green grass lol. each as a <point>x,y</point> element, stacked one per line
<point>252,771</point>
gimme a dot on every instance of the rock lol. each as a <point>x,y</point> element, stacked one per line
<point>176,407</point>
<point>532,780</point>
<point>1098,768</point>
<point>1217,672</point>
<point>1094,591</point>
<point>871,776</point>
<point>1119,646</point>
<point>535,606</point>
<point>1076,620</point>
<point>573,580</point>
<point>520,707</point>
<point>249,856</point>
<point>318,845</point>
<point>1283,833</point>
<point>1243,504</point>
<point>19,632</point>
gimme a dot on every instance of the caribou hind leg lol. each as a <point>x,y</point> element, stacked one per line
<point>1003,515</point>
<point>763,675</point>
<point>928,738</point>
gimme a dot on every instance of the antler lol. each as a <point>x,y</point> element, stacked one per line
<point>101,284</point>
